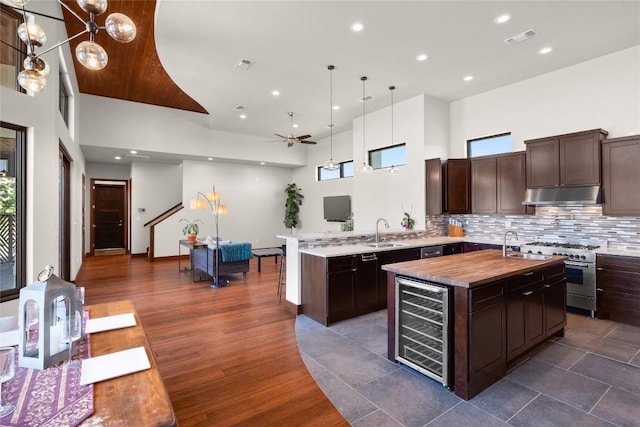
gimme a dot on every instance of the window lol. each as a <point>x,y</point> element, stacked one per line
<point>12,210</point>
<point>344,171</point>
<point>63,99</point>
<point>485,146</point>
<point>382,158</point>
<point>12,50</point>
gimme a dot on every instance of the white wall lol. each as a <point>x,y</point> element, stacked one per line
<point>254,196</point>
<point>150,128</point>
<point>311,211</point>
<point>155,188</point>
<point>601,93</point>
<point>45,132</point>
<point>422,123</point>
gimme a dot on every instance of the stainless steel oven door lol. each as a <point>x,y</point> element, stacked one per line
<point>581,278</point>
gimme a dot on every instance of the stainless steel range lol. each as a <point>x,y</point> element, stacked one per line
<point>580,268</point>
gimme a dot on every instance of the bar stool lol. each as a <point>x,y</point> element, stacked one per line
<point>283,271</point>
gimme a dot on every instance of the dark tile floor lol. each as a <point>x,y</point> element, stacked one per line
<point>590,377</point>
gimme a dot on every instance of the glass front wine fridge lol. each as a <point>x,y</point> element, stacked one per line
<point>424,335</point>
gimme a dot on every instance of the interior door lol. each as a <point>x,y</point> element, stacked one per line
<point>109,215</point>
<point>64,195</point>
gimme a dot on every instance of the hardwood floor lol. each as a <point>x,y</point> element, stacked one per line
<point>228,356</point>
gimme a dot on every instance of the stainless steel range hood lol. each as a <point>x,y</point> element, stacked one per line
<point>583,195</point>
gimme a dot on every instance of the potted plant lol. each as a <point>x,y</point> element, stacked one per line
<point>348,224</point>
<point>292,206</point>
<point>192,229</point>
<point>407,222</point>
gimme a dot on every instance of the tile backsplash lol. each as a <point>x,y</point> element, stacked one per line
<point>549,222</point>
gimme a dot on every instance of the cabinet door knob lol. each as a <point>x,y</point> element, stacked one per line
<point>526,294</point>
<point>599,289</point>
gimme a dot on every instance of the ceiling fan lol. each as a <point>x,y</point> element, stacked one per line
<point>290,139</point>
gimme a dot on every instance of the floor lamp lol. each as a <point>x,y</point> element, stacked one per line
<point>212,199</point>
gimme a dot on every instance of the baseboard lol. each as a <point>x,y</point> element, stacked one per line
<point>292,308</point>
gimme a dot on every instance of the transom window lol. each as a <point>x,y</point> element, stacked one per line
<point>12,50</point>
<point>394,155</point>
<point>344,171</point>
<point>488,145</point>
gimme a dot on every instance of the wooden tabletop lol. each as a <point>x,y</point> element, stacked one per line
<point>469,269</point>
<point>138,399</point>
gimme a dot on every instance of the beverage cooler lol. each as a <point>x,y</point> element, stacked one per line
<point>424,335</point>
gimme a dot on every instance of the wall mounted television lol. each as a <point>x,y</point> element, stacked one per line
<point>337,208</point>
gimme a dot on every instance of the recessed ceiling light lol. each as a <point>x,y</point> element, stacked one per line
<point>467,78</point>
<point>336,107</point>
<point>545,50</point>
<point>262,163</point>
<point>357,27</point>
<point>422,57</point>
<point>243,116</point>
<point>501,19</point>
<point>133,152</point>
<point>117,157</point>
<point>296,125</point>
<point>275,93</point>
<point>209,158</point>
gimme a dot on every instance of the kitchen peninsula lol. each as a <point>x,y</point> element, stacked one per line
<point>500,308</point>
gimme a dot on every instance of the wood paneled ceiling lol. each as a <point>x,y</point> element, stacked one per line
<point>134,71</point>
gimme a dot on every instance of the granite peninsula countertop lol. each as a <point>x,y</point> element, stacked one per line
<point>361,248</point>
<point>470,269</point>
<point>617,251</point>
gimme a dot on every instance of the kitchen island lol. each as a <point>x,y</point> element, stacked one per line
<point>501,308</point>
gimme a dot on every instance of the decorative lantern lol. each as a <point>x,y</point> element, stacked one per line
<point>45,321</point>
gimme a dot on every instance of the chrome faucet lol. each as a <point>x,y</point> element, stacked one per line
<point>504,242</point>
<point>386,224</point>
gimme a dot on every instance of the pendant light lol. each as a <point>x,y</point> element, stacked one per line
<point>364,167</point>
<point>330,165</point>
<point>392,170</point>
<point>88,53</point>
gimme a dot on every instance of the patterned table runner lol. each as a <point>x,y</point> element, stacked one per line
<point>49,397</point>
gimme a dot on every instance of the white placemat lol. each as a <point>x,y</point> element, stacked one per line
<point>108,323</point>
<point>112,365</point>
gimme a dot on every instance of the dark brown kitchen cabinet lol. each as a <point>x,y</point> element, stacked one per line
<point>536,308</point>
<point>487,334</point>
<point>618,288</point>
<point>390,257</point>
<point>329,287</point>
<point>498,184</point>
<point>448,186</point>
<point>368,292</point>
<point>620,176</point>
<point>564,160</point>
<point>484,184</point>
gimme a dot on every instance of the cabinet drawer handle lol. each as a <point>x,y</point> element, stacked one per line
<point>526,294</point>
<point>547,286</point>
<point>600,269</point>
<point>528,274</point>
<point>599,289</point>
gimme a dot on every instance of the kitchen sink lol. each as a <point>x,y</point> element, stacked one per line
<point>521,255</point>
<point>385,244</point>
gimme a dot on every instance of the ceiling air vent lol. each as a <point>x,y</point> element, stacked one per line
<point>366,98</point>
<point>244,64</point>
<point>239,107</point>
<point>519,38</point>
<point>137,156</point>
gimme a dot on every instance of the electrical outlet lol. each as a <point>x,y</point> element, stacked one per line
<point>507,224</point>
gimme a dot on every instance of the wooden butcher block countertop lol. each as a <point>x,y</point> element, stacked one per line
<point>469,269</point>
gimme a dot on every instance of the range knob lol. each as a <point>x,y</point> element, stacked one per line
<point>570,256</point>
<point>583,257</point>
<point>529,252</point>
<point>555,253</point>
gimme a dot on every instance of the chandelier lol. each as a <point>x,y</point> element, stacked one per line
<point>89,53</point>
